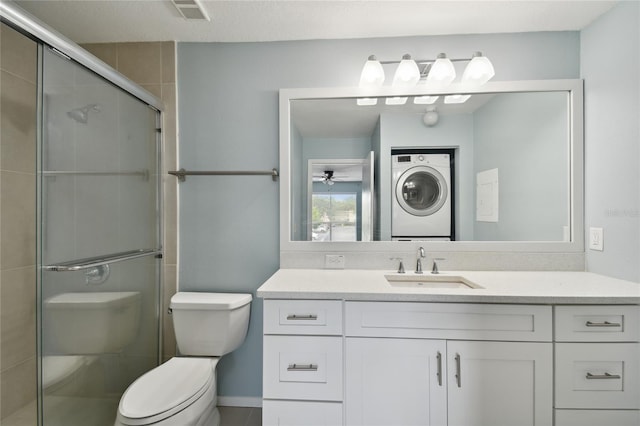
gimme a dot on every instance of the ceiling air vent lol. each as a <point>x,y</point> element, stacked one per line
<point>191,9</point>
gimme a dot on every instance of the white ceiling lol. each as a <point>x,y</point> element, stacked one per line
<point>96,21</point>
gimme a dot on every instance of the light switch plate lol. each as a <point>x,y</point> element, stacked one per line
<point>334,261</point>
<point>596,239</point>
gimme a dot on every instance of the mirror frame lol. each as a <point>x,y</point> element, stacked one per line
<point>573,87</point>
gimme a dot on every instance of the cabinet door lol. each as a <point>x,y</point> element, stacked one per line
<point>499,383</point>
<point>296,413</point>
<point>395,382</point>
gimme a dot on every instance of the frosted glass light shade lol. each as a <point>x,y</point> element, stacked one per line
<point>456,99</point>
<point>372,73</point>
<point>478,71</point>
<point>367,101</point>
<point>442,71</point>
<point>425,100</point>
<point>407,74</point>
<point>396,100</point>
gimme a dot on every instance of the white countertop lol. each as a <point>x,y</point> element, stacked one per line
<point>498,287</point>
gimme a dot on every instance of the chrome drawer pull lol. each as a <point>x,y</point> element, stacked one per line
<point>603,324</point>
<point>295,317</point>
<point>604,376</point>
<point>302,367</point>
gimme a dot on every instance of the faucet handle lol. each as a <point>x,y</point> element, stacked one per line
<point>435,265</point>
<point>400,266</point>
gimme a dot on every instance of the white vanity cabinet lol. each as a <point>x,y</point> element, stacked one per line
<point>597,361</point>
<point>403,365</point>
<point>302,363</point>
<point>337,362</point>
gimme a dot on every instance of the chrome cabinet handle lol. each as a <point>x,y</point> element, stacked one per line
<point>458,371</point>
<point>439,373</point>
<point>295,317</point>
<point>603,324</point>
<point>302,367</point>
<point>605,376</point>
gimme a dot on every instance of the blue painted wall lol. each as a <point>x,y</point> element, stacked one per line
<point>228,120</point>
<point>610,56</point>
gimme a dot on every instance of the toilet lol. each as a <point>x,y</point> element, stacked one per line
<point>182,391</point>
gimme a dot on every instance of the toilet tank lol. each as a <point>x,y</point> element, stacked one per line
<point>210,324</point>
<point>93,323</point>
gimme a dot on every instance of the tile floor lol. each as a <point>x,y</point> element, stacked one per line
<point>240,416</point>
<point>229,416</point>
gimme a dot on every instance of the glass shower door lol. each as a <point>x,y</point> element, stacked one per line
<point>98,244</point>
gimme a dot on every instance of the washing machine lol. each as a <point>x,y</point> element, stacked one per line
<point>422,196</point>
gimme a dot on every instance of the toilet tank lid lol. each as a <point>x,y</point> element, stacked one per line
<point>209,301</point>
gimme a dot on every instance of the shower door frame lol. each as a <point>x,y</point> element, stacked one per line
<point>46,37</point>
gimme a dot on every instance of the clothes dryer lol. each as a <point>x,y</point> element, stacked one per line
<point>422,196</point>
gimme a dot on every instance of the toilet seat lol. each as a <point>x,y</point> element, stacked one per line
<point>166,390</point>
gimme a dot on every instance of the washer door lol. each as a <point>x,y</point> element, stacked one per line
<point>421,191</point>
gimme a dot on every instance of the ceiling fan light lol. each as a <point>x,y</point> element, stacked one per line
<point>372,73</point>
<point>407,74</point>
<point>478,71</point>
<point>442,71</point>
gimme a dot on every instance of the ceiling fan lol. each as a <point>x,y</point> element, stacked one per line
<point>328,177</point>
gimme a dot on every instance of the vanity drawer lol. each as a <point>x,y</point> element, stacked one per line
<point>597,375</point>
<point>597,418</point>
<point>318,317</point>
<point>449,321</point>
<point>611,323</point>
<point>302,367</point>
<point>295,413</point>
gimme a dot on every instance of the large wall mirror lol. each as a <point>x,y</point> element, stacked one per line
<point>496,168</point>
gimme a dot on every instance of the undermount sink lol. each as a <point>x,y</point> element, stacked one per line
<point>431,281</point>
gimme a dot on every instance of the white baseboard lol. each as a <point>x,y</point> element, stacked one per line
<point>240,401</point>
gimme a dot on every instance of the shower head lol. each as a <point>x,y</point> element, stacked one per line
<point>81,115</point>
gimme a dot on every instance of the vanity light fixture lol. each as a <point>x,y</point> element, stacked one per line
<point>425,100</point>
<point>407,75</point>
<point>456,99</point>
<point>442,72</point>
<point>478,71</point>
<point>371,77</point>
<point>438,74</point>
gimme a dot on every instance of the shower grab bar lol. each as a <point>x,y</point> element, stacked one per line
<point>143,173</point>
<point>92,262</point>
<point>182,173</point>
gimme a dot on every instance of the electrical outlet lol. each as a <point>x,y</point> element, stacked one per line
<point>596,239</point>
<point>334,261</point>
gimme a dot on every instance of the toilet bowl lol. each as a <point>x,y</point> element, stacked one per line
<point>69,375</point>
<point>182,391</point>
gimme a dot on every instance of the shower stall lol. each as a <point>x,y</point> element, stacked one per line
<point>97,251</point>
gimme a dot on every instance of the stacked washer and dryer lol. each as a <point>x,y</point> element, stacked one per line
<point>422,202</point>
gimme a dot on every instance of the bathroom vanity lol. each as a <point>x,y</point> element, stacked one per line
<point>365,347</point>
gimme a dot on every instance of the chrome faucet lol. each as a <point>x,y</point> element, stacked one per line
<point>419,261</point>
